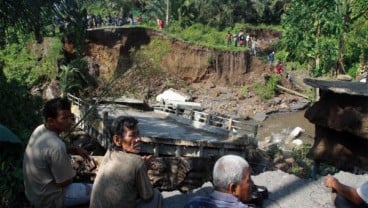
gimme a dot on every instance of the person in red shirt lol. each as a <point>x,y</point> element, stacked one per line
<point>279,68</point>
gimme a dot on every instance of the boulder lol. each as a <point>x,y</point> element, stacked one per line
<point>341,123</point>
<point>342,112</point>
<point>340,149</point>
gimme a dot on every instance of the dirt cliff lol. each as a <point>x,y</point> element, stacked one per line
<point>213,77</point>
<point>191,62</point>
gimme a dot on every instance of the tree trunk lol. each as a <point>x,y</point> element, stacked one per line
<point>167,12</point>
<point>37,33</point>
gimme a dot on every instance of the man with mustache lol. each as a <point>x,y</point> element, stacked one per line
<point>122,180</point>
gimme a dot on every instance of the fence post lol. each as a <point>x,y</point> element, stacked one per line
<point>230,124</point>
<point>208,119</point>
<point>105,131</point>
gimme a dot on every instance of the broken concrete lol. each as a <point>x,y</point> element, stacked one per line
<point>341,120</point>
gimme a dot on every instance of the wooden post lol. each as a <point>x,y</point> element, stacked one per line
<point>105,131</point>
<point>230,124</point>
<point>208,119</point>
<point>178,151</point>
<point>156,150</point>
<point>317,94</point>
<point>177,111</point>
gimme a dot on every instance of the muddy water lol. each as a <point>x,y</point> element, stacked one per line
<point>280,125</point>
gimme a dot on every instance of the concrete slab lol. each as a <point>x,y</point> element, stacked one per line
<point>160,125</point>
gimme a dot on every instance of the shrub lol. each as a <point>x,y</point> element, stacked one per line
<point>353,71</point>
<point>244,90</point>
<point>267,91</point>
<point>21,63</point>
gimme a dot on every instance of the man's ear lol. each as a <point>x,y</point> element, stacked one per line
<point>49,121</point>
<point>116,140</point>
<point>232,189</point>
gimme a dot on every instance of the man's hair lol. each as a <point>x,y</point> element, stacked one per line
<point>119,125</point>
<point>228,169</point>
<point>51,107</point>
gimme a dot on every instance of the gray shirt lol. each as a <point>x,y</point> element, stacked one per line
<point>121,181</point>
<point>45,164</point>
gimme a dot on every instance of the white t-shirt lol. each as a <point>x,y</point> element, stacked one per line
<point>363,192</point>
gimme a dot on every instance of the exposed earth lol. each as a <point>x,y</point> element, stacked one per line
<point>222,81</point>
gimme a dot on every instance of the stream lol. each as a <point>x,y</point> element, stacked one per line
<point>277,127</point>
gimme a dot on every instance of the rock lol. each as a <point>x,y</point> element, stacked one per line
<point>290,160</point>
<point>340,149</point>
<point>299,105</point>
<point>259,116</point>
<point>173,95</point>
<point>341,123</point>
<point>297,142</point>
<point>284,106</point>
<point>295,133</point>
<point>344,77</point>
<point>282,166</point>
<point>278,159</point>
<point>52,90</point>
<point>345,113</point>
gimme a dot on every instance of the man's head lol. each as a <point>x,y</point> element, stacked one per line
<point>57,114</point>
<point>231,174</point>
<point>125,134</point>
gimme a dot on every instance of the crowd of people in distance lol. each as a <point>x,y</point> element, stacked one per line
<point>242,40</point>
<point>95,21</point>
<point>122,179</point>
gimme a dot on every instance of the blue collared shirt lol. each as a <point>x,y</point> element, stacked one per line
<point>215,200</point>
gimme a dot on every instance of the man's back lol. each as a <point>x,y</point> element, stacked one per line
<point>215,200</point>
<point>45,164</point>
<point>121,181</point>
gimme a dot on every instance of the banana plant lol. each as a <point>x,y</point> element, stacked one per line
<point>70,79</point>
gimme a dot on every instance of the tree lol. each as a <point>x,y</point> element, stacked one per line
<point>26,16</point>
<point>319,38</point>
<point>349,12</point>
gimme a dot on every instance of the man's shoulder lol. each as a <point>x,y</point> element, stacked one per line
<point>363,192</point>
<point>42,135</point>
<point>214,201</point>
<point>127,157</point>
<point>200,201</point>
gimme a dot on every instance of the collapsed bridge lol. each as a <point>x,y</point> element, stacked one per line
<point>185,148</point>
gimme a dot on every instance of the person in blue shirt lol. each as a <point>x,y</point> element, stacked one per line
<point>271,57</point>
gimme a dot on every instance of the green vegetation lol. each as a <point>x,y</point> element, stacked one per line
<point>146,70</point>
<point>244,90</point>
<point>298,162</point>
<point>21,63</point>
<point>148,58</point>
<point>11,180</point>
<point>268,90</point>
<point>303,165</point>
<point>329,39</point>
<point>321,36</point>
<point>20,113</point>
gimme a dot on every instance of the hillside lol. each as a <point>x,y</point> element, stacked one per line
<point>221,80</point>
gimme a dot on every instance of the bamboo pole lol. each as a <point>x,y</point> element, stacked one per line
<point>292,91</point>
